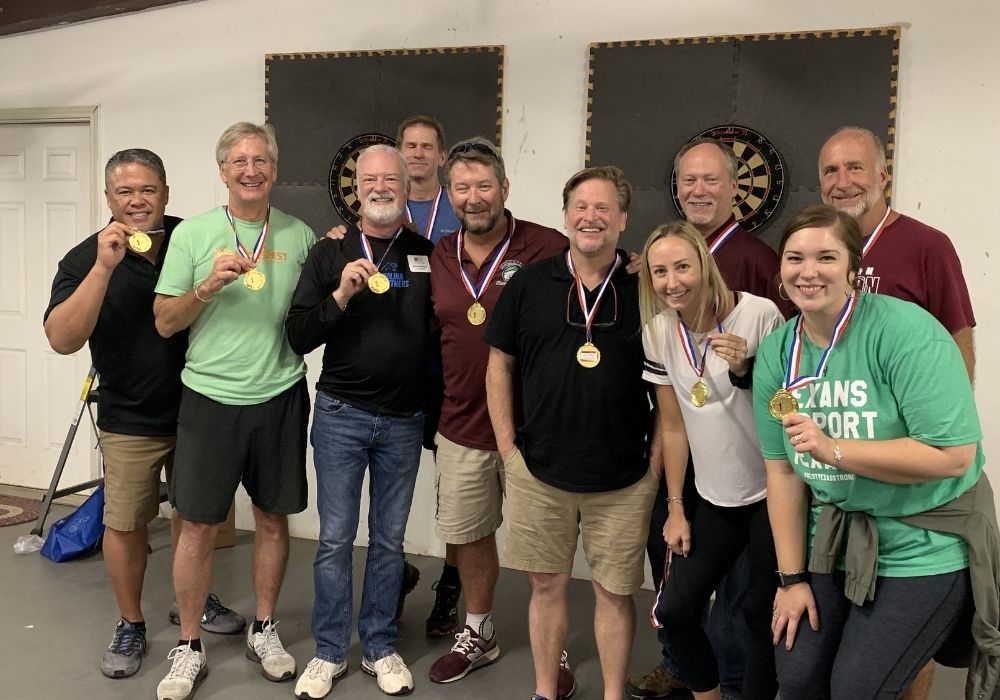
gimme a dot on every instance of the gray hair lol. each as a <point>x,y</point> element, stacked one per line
<point>141,156</point>
<point>732,165</point>
<point>385,148</point>
<point>241,130</point>
<point>880,160</point>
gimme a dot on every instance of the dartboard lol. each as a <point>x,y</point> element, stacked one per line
<point>760,177</point>
<point>343,191</point>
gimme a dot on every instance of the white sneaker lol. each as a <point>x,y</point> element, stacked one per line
<point>317,680</point>
<point>188,667</point>
<point>266,649</point>
<point>391,673</point>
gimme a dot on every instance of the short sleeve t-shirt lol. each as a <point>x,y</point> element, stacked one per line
<point>728,468</point>
<point>895,373</point>
<point>440,208</point>
<point>238,353</point>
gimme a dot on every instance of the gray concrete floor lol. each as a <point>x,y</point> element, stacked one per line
<point>57,619</point>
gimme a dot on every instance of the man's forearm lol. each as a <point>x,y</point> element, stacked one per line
<point>71,323</point>
<point>174,314</point>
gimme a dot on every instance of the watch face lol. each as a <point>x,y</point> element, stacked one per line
<point>343,190</point>
<point>760,175</point>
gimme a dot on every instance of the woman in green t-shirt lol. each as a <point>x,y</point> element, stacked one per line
<point>864,409</point>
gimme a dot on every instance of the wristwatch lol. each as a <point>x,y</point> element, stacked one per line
<point>788,578</point>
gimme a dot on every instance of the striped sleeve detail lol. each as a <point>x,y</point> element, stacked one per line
<point>655,368</point>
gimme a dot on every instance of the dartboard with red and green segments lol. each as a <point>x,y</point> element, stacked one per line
<point>342,188</point>
<point>760,175</point>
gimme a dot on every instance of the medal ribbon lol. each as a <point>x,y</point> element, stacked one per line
<point>433,217</point>
<point>366,248</point>
<point>691,348</point>
<point>721,239</point>
<point>795,351</point>
<point>874,235</point>
<point>589,314</point>
<point>474,290</point>
<point>258,247</point>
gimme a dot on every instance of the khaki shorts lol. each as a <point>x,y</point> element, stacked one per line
<point>543,524</point>
<point>132,465</point>
<point>470,490</point>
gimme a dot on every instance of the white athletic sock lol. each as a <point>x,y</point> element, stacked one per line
<point>482,624</point>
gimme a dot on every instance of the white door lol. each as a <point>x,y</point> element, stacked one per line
<point>45,209</point>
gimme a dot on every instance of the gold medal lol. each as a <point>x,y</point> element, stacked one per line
<point>254,279</point>
<point>379,283</point>
<point>699,393</point>
<point>588,355</point>
<point>782,404</point>
<point>140,241</point>
<point>476,314</point>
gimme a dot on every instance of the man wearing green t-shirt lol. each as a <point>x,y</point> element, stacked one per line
<point>229,277</point>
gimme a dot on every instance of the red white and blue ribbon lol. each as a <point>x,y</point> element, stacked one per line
<point>501,250</point>
<point>691,348</point>
<point>589,314</point>
<point>793,380</point>
<point>874,235</point>
<point>366,248</point>
<point>721,239</point>
<point>432,218</point>
<point>258,247</point>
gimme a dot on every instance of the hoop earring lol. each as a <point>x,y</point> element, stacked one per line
<point>781,288</point>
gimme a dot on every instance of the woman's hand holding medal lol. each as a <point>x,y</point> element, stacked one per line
<point>806,436</point>
<point>732,349</point>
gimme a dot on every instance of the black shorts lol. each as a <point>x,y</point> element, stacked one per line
<point>219,446</point>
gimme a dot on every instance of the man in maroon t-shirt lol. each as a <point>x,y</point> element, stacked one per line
<point>469,269</point>
<point>901,257</point>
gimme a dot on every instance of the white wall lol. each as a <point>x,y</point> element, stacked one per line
<point>172,79</point>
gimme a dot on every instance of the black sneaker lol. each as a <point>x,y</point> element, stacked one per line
<point>411,576</point>
<point>124,655</point>
<point>443,619</point>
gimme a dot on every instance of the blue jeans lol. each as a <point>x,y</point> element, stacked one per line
<point>347,440</point>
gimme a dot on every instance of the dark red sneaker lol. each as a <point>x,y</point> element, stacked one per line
<point>566,683</point>
<point>470,652</point>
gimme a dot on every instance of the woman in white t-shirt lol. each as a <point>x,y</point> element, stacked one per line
<point>700,339</point>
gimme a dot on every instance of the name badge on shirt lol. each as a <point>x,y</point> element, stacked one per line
<point>419,263</point>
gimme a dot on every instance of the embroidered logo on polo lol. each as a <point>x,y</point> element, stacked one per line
<point>507,270</point>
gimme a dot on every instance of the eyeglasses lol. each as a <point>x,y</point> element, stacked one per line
<point>260,163</point>
<point>475,146</point>
<point>601,319</point>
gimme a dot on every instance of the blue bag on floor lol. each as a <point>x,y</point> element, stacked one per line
<point>79,533</point>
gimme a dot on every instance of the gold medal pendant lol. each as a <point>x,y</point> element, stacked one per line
<point>782,404</point>
<point>588,355</point>
<point>254,280</point>
<point>476,314</point>
<point>140,241</point>
<point>379,283</point>
<point>699,393</point>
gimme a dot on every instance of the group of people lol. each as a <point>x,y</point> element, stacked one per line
<point>820,476</point>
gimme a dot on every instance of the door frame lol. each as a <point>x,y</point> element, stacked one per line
<point>90,115</point>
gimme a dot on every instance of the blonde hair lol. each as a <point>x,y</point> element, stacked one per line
<point>713,286</point>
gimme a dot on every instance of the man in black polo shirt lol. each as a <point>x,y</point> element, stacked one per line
<point>367,298</point>
<point>103,293</point>
<point>567,331</point>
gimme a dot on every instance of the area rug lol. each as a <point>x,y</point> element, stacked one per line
<point>14,510</point>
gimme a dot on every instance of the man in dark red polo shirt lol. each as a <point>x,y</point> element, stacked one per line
<point>469,269</point>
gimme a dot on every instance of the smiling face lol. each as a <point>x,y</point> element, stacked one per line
<point>705,187</point>
<point>816,271</point>
<point>476,196</point>
<point>593,218</point>
<point>851,177</point>
<point>136,196</point>
<point>248,172</point>
<point>422,151</point>
<point>677,277</point>
<point>381,187</point>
